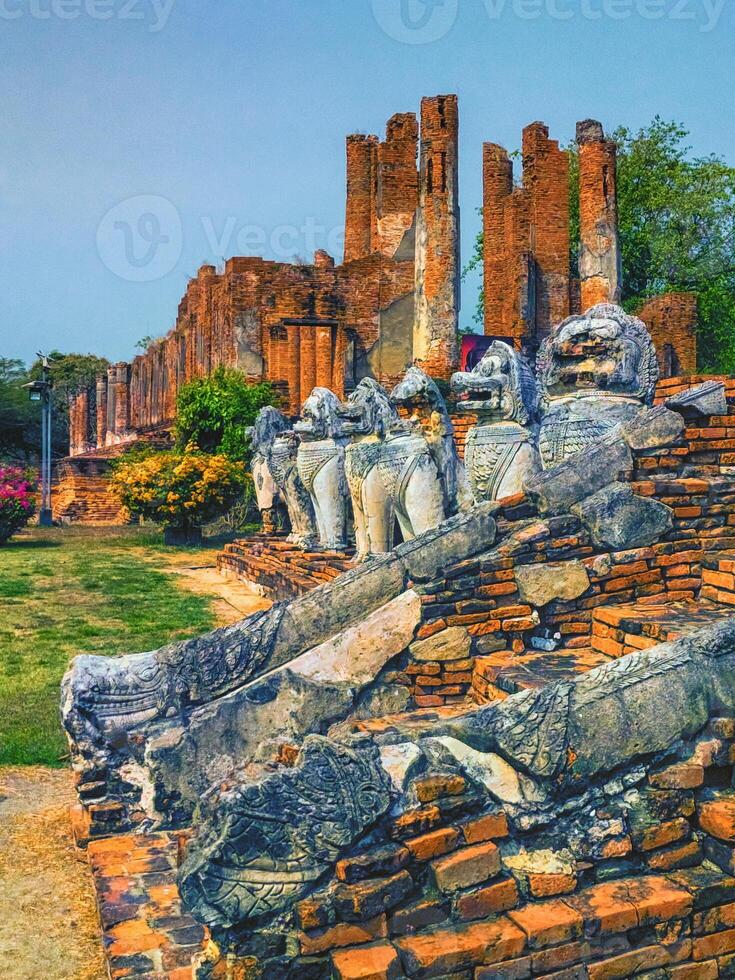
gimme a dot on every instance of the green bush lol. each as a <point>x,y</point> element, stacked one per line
<point>215,412</point>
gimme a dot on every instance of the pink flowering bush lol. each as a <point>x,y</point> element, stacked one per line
<point>17,501</point>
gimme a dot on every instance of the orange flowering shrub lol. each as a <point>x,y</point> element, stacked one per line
<point>179,489</point>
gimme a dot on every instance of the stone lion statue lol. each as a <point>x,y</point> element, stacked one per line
<point>420,396</point>
<point>594,371</point>
<point>321,465</point>
<point>390,472</point>
<point>500,449</point>
<point>273,512</point>
<point>278,444</point>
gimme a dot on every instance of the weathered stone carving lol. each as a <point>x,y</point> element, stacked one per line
<point>284,467</point>
<point>594,371</point>
<point>268,840</point>
<point>420,396</point>
<point>390,472</point>
<point>273,512</point>
<point>531,752</point>
<point>321,465</point>
<point>104,697</point>
<point>500,452</point>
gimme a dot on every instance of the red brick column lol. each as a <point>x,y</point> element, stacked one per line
<point>546,178</point>
<point>438,270</point>
<point>361,216</point>
<point>293,369</point>
<point>497,186</point>
<point>324,356</point>
<point>307,361</point>
<point>520,281</point>
<point>78,422</point>
<point>122,399</point>
<point>397,191</point>
<point>600,266</point>
<point>101,410</point>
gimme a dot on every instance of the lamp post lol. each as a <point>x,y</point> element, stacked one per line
<point>40,391</point>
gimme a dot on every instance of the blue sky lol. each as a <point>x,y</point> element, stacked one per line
<point>142,137</point>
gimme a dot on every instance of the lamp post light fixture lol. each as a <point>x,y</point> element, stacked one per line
<point>40,391</point>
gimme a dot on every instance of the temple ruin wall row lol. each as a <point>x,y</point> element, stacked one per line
<point>395,299</point>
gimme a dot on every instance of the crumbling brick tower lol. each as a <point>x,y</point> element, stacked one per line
<point>600,262</point>
<point>361,219</point>
<point>437,239</point>
<point>526,229</point>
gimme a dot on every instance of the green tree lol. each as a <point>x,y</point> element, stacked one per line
<point>20,423</point>
<point>215,412</point>
<point>677,230</point>
<point>69,373</point>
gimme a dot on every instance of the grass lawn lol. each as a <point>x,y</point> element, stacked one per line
<point>78,590</point>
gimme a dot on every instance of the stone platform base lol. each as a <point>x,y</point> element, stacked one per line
<point>279,570</point>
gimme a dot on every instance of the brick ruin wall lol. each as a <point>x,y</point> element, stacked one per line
<point>395,299</point>
<point>298,326</point>
<point>528,281</point>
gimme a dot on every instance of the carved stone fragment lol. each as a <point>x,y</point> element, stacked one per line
<point>705,399</point>
<point>541,584</point>
<point>269,839</point>
<point>602,463</point>
<point>619,519</point>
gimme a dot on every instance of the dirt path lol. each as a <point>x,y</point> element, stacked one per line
<point>197,572</point>
<point>233,599</point>
<point>49,921</point>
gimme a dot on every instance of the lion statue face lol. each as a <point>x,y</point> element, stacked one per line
<point>501,388</point>
<point>417,393</point>
<point>369,410</point>
<point>269,424</point>
<point>322,417</point>
<point>603,352</point>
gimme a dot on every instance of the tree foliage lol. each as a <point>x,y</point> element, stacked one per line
<point>20,419</point>
<point>215,412</point>
<point>20,427</point>
<point>677,230</point>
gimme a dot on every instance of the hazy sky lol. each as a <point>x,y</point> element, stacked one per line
<point>140,138</point>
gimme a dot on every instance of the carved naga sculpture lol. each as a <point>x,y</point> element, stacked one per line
<point>283,467</point>
<point>419,395</point>
<point>268,425</point>
<point>500,451</point>
<point>594,371</point>
<point>321,465</point>
<point>390,472</point>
